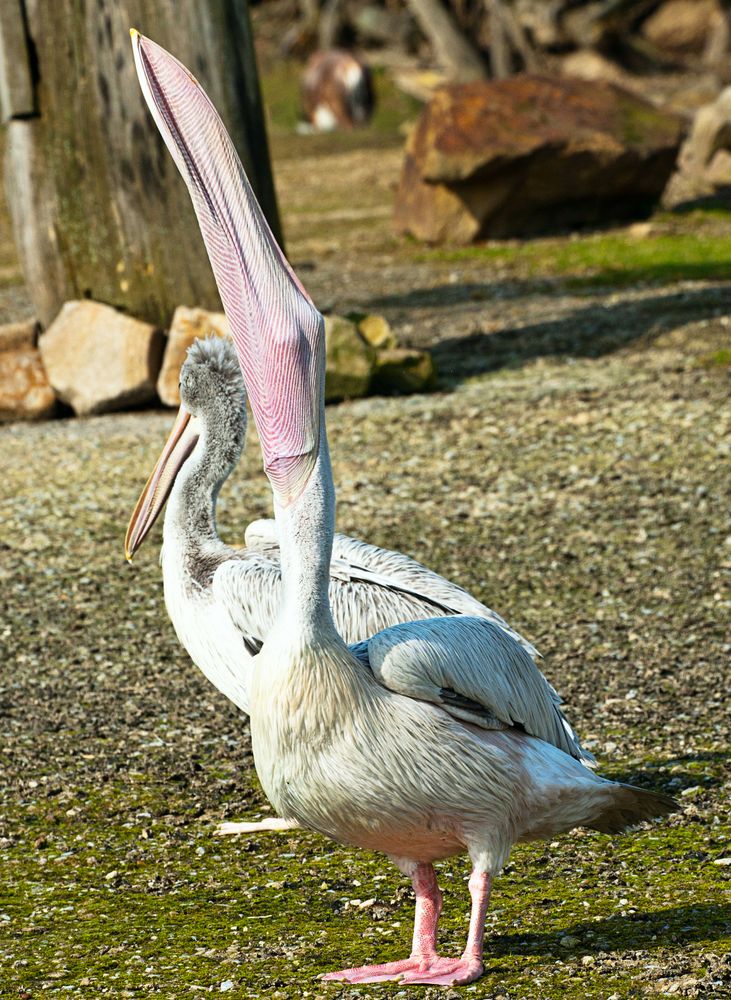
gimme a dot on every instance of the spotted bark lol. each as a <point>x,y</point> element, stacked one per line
<point>98,208</point>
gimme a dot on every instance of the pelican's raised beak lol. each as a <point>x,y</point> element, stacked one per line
<point>278,332</point>
<point>177,448</point>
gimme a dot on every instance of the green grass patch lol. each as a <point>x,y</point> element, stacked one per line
<point>129,893</point>
<point>616,258</point>
<point>719,359</point>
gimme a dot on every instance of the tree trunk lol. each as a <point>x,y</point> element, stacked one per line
<point>500,55</point>
<point>330,24</point>
<point>97,205</point>
<point>456,54</point>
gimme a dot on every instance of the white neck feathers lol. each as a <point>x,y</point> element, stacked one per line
<point>306,528</point>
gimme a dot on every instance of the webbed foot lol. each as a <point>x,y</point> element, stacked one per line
<point>429,970</point>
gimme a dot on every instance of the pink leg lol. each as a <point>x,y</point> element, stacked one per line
<point>423,948</point>
<point>456,972</point>
<point>424,965</point>
<point>428,908</point>
<point>480,884</point>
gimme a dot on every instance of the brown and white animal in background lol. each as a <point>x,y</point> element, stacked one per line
<point>431,738</point>
<point>337,91</point>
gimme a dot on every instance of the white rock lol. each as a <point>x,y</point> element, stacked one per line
<point>98,359</point>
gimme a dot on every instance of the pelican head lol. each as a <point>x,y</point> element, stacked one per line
<point>212,390</point>
<point>210,427</point>
<point>278,332</point>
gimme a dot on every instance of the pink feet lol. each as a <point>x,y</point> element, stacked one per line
<point>425,966</point>
<point>428,970</point>
<point>447,972</point>
<point>373,973</point>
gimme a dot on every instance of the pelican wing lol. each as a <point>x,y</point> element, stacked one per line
<point>370,576</point>
<point>476,672</point>
<point>249,587</point>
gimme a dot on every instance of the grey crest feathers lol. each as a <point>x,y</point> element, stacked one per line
<point>216,352</point>
<point>213,358</point>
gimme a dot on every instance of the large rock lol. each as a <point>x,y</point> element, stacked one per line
<point>681,27</point>
<point>187,325</point>
<point>349,360</point>
<point>588,64</point>
<point>529,155</point>
<point>704,163</point>
<point>401,370</point>
<point>377,331</point>
<point>25,393</point>
<point>98,359</point>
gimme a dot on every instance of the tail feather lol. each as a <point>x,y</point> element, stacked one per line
<point>629,805</point>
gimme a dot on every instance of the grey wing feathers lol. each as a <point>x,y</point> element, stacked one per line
<point>249,587</point>
<point>438,595</point>
<point>380,587</point>
<point>476,672</point>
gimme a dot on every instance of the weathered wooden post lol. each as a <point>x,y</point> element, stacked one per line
<point>97,205</point>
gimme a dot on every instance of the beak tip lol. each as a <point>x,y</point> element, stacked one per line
<point>133,34</point>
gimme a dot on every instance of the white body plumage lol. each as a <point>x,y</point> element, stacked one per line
<point>223,601</point>
<point>340,752</point>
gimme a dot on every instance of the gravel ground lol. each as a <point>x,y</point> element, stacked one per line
<point>582,498</point>
<point>573,473</point>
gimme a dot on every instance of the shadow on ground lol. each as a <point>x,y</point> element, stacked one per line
<point>658,776</point>
<point>593,330</point>
<point>709,921</point>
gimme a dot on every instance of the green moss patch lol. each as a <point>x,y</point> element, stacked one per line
<point>616,258</point>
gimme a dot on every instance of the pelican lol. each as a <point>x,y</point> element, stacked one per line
<point>431,738</point>
<point>223,601</point>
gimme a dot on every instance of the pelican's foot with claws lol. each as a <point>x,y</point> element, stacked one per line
<point>428,971</point>
<point>447,972</point>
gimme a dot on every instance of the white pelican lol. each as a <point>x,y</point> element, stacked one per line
<point>431,738</point>
<point>222,601</point>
